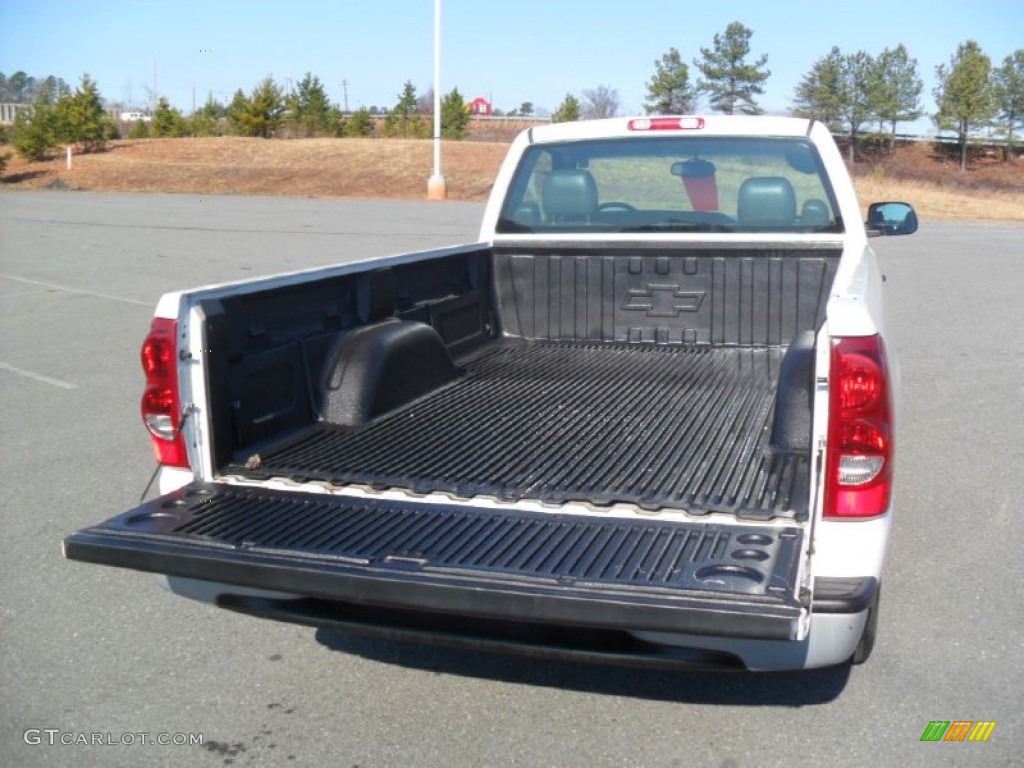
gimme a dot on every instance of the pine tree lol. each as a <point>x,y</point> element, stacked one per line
<point>79,118</point>
<point>1009,98</point>
<point>964,94</point>
<point>260,113</point>
<point>670,92</point>
<point>568,111</point>
<point>860,98</point>
<point>820,94</point>
<point>335,122</point>
<point>49,90</point>
<point>730,81</point>
<point>454,115</point>
<point>139,130</point>
<point>35,135</point>
<point>167,121</point>
<point>405,120</point>
<point>236,110</point>
<point>359,123</point>
<point>206,122</point>
<point>310,107</point>
<point>898,89</point>
<point>840,90</point>
<point>18,87</point>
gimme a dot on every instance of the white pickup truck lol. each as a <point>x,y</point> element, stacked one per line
<point>648,418</point>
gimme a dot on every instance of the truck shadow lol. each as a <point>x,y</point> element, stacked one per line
<point>787,689</point>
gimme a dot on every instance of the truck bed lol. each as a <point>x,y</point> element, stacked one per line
<point>556,421</point>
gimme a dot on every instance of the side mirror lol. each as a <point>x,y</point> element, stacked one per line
<point>891,219</point>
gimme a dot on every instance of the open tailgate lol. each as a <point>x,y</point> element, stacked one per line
<point>732,580</point>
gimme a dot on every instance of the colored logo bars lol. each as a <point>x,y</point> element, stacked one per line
<point>958,730</point>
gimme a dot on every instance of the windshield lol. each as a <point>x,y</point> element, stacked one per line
<point>703,184</point>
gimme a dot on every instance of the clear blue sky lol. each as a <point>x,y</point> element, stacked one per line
<point>511,52</point>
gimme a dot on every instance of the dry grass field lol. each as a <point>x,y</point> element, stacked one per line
<point>374,168</point>
<point>937,201</point>
<point>928,177</point>
<point>397,168</point>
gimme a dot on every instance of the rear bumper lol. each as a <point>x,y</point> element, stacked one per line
<point>523,638</point>
<point>837,596</point>
<point>837,622</point>
<point>838,616</point>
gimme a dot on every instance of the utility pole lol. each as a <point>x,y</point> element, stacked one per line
<point>344,86</point>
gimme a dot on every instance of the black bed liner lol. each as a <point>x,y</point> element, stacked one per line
<point>738,580</point>
<point>683,427</point>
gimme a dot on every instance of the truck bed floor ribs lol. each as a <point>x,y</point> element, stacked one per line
<point>576,421</point>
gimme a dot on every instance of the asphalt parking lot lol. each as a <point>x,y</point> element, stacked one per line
<point>93,650</point>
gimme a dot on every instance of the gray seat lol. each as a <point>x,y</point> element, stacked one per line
<point>527,214</point>
<point>815,213</point>
<point>766,201</point>
<point>569,196</point>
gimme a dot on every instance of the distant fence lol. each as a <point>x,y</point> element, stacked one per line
<point>511,119</point>
<point>9,111</point>
<point>946,144</point>
<point>947,139</point>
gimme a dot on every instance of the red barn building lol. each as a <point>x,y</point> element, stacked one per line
<point>480,106</point>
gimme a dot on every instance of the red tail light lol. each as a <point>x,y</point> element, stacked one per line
<point>161,407</point>
<point>858,481</point>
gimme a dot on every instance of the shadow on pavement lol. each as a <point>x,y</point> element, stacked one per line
<point>788,689</point>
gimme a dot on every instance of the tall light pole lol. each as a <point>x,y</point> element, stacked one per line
<point>437,187</point>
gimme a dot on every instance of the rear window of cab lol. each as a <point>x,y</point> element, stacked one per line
<point>672,184</point>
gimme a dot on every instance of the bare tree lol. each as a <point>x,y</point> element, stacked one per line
<point>599,102</point>
<point>425,103</point>
<point>151,98</point>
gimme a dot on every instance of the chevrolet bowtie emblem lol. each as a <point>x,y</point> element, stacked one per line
<point>663,300</point>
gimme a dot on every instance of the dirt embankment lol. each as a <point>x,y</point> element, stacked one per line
<point>928,176</point>
<point>393,168</point>
<point>923,174</point>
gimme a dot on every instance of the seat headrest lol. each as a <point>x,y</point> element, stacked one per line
<point>569,195</point>
<point>815,213</point>
<point>766,201</point>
